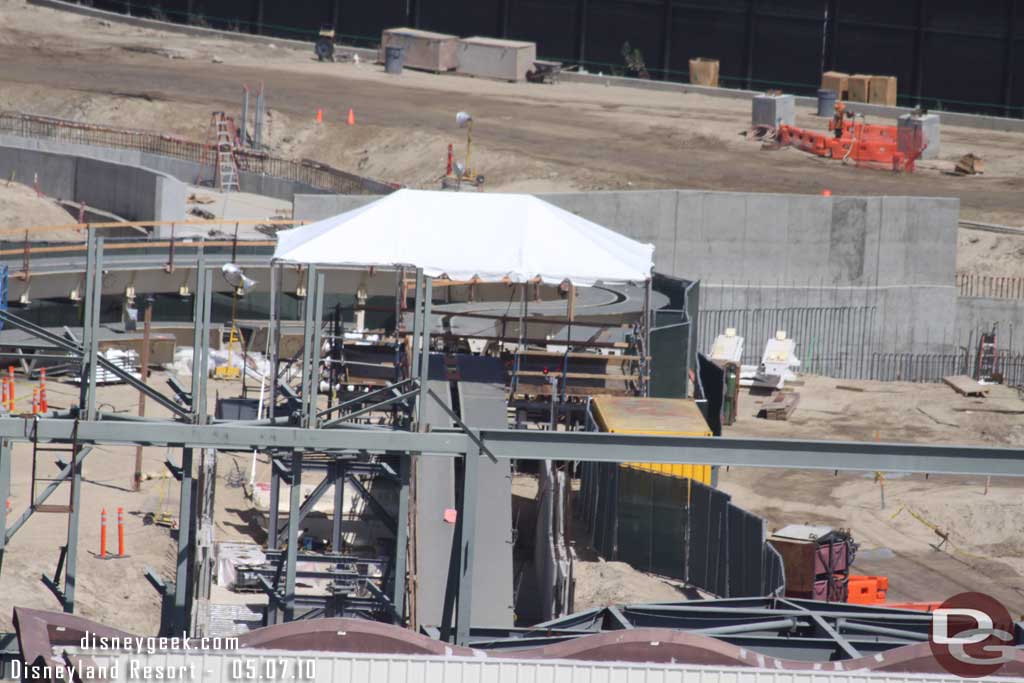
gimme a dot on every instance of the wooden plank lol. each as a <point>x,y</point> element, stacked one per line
<point>965,385</point>
<point>780,407</point>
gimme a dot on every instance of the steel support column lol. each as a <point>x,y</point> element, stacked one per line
<point>71,555</point>
<point>200,338</point>
<point>273,332</point>
<point>181,576</point>
<point>5,493</point>
<point>312,319</point>
<point>336,471</point>
<point>402,539</point>
<point>274,514</point>
<point>90,320</point>
<point>427,293</point>
<point>292,552</point>
<point>467,515</point>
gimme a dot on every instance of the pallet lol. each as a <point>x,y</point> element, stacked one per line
<point>780,406</point>
<point>966,386</point>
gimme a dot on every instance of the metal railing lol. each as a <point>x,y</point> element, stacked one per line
<point>312,173</point>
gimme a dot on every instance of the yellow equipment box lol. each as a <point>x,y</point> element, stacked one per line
<point>654,417</point>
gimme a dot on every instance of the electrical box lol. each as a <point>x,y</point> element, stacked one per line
<point>773,110</point>
<point>914,130</point>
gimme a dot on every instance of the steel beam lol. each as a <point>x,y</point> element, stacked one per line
<point>291,553</point>
<point>336,470</point>
<point>382,513</point>
<point>427,293</point>
<point>742,452</point>
<point>181,576</point>
<point>537,445</point>
<point>274,513</point>
<point>90,320</point>
<point>5,493</point>
<point>71,558</point>
<point>467,547</point>
<point>200,339</point>
<point>40,499</point>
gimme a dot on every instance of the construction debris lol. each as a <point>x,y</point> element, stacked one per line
<point>966,386</point>
<point>970,164</point>
<point>780,406</point>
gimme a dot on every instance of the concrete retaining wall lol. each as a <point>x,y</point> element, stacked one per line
<point>186,172</point>
<point>127,190</point>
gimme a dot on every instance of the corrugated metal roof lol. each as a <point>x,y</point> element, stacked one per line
<point>320,667</point>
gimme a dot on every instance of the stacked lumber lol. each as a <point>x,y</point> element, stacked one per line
<point>780,406</point>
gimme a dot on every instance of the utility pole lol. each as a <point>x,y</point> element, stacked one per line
<point>144,372</point>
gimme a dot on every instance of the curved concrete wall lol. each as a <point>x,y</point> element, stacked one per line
<point>132,192</point>
<point>184,171</point>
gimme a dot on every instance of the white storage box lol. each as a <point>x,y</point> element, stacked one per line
<point>508,60</point>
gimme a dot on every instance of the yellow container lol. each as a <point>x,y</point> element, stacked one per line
<point>654,417</point>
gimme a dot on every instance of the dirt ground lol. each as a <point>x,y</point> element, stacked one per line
<point>983,519</point>
<point>526,136</point>
<point>106,587</point>
<point>991,254</point>
<point>20,206</point>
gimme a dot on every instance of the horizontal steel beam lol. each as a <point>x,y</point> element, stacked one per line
<point>739,452</point>
<point>233,436</point>
<point>526,444</point>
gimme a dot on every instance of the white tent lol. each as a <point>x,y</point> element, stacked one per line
<point>490,237</point>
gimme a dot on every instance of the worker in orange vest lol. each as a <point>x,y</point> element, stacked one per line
<point>837,119</point>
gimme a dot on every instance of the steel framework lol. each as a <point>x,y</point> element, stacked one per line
<point>293,439</point>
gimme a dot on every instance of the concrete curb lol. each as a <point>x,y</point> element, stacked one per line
<point>946,117</point>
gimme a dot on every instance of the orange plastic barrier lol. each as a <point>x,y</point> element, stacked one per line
<point>867,590</point>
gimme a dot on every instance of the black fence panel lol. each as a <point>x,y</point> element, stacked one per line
<point>679,528</point>
<point>947,54</point>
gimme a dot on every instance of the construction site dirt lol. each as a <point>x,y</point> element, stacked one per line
<point>528,137</point>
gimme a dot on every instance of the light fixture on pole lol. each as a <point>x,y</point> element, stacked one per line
<point>465,120</point>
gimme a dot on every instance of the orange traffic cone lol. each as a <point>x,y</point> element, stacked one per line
<point>826,193</point>
<point>43,405</point>
<point>351,117</point>
<point>319,115</point>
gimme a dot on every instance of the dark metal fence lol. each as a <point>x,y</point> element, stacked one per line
<point>844,342</point>
<point>990,287</point>
<point>960,56</point>
<point>312,173</point>
<point>679,528</point>
<point>832,338</point>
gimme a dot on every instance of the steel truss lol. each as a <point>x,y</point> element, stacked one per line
<point>292,441</point>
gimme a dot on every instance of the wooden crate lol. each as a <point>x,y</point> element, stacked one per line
<point>704,71</point>
<point>836,81</point>
<point>882,90</point>
<point>423,49</point>
<point>859,86</point>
